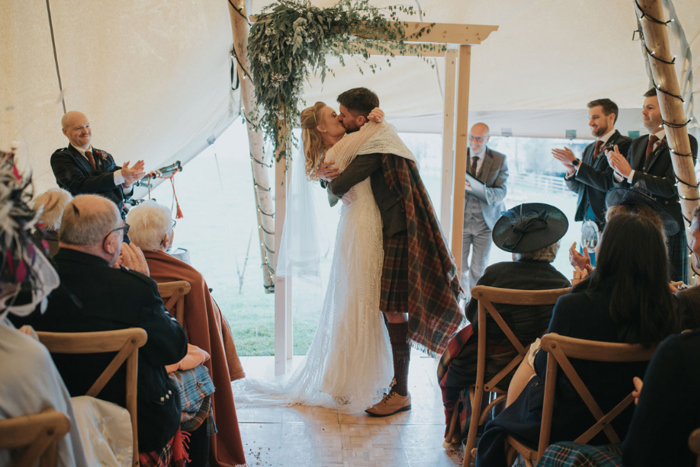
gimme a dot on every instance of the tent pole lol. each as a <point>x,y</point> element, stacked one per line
<point>263,193</point>
<point>448,142</point>
<point>666,80</point>
<point>462,131</point>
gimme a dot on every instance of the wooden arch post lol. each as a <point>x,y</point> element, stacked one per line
<point>651,16</point>
<point>458,39</point>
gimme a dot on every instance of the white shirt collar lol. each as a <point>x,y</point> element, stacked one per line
<point>661,134</point>
<point>606,136</point>
<point>82,151</point>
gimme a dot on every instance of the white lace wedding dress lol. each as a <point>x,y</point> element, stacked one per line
<point>349,363</point>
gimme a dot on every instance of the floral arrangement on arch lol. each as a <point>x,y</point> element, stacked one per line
<point>292,38</point>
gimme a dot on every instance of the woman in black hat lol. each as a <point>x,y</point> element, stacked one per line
<point>626,299</point>
<point>532,233</point>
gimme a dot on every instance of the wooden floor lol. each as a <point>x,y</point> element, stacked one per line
<point>310,436</point>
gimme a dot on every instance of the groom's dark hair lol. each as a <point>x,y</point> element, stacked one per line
<point>360,100</point>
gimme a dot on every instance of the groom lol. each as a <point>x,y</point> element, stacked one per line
<point>420,288</point>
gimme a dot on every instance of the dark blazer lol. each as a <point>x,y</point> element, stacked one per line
<point>668,409</point>
<point>74,173</point>
<point>657,172</point>
<point>595,178</point>
<point>582,315</point>
<point>494,173</point>
<point>390,208</point>
<point>95,297</point>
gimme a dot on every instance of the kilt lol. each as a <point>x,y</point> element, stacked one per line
<point>580,455</point>
<point>394,293</point>
<point>678,257</point>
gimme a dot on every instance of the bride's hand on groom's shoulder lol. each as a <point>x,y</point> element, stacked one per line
<point>376,115</point>
<point>326,170</point>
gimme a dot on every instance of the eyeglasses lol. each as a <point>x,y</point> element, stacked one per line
<point>480,139</point>
<point>174,224</point>
<point>124,227</point>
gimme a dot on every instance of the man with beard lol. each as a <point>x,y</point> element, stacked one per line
<point>591,177</point>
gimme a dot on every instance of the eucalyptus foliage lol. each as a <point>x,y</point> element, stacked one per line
<point>292,39</point>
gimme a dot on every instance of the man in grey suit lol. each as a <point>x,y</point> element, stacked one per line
<point>480,215</point>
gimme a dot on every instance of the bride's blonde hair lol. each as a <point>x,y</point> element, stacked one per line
<point>310,136</point>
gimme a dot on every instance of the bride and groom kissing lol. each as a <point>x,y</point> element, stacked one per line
<point>390,255</point>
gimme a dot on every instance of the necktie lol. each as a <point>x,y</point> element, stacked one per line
<point>91,159</point>
<point>650,145</point>
<point>598,146</point>
<point>475,160</point>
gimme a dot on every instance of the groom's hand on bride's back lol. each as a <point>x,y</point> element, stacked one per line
<point>326,170</point>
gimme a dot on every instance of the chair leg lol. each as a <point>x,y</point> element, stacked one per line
<point>450,437</point>
<point>476,397</point>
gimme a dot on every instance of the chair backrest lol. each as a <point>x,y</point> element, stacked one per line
<point>487,296</point>
<point>173,294</point>
<point>38,433</point>
<point>694,443</point>
<point>560,350</point>
<point>126,342</point>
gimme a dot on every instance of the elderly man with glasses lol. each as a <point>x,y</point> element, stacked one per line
<point>97,295</point>
<point>481,210</point>
<point>152,230</point>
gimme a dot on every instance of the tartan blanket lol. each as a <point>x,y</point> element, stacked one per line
<point>173,454</point>
<point>571,454</point>
<point>434,289</point>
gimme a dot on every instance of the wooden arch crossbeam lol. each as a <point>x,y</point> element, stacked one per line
<point>458,40</point>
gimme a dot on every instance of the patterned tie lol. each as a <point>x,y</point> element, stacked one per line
<point>475,160</point>
<point>91,159</point>
<point>650,145</point>
<point>598,147</point>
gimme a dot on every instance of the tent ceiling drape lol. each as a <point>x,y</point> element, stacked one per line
<point>154,75</point>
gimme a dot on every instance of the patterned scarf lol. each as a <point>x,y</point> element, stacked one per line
<point>435,291</point>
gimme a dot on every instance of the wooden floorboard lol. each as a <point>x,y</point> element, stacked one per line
<point>303,436</point>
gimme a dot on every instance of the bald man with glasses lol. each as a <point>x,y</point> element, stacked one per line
<point>490,167</point>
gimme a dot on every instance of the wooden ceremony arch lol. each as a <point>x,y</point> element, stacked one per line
<point>458,39</point>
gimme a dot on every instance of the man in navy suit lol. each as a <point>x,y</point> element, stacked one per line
<point>591,176</point>
<point>82,169</point>
<point>649,160</point>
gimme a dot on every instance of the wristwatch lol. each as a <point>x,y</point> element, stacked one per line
<point>575,162</point>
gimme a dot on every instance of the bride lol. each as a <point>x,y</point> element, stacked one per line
<point>349,360</point>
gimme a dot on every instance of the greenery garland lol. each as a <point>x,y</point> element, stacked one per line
<point>292,38</point>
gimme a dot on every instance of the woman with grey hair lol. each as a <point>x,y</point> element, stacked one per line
<point>50,205</point>
<point>531,232</point>
<point>152,230</point>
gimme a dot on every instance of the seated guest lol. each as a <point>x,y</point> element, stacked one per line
<point>152,230</point>
<point>30,381</point>
<point>625,300</point>
<point>95,296</point>
<point>534,247</point>
<point>52,203</point>
<point>689,298</point>
<point>667,412</point>
<point>635,200</point>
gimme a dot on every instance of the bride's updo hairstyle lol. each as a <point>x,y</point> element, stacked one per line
<point>310,136</point>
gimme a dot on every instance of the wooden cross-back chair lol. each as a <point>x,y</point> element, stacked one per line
<point>126,342</point>
<point>694,444</point>
<point>173,294</point>
<point>487,296</point>
<point>38,434</point>
<point>560,350</point>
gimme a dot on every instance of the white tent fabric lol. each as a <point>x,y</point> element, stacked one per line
<point>532,77</point>
<point>153,77</point>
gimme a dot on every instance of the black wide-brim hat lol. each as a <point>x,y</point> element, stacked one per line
<point>639,195</point>
<point>529,227</point>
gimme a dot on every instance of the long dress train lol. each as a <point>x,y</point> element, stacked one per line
<point>348,363</point>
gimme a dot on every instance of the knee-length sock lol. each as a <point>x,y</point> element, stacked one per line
<point>401,350</point>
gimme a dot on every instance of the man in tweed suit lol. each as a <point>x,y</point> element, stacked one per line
<point>490,167</point>
<point>419,285</point>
